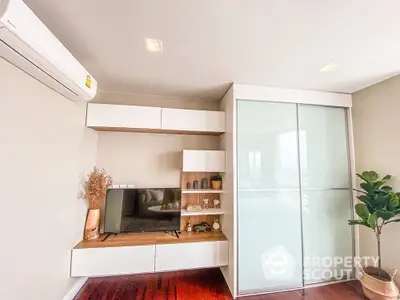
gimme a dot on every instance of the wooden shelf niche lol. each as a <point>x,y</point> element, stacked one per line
<point>196,196</point>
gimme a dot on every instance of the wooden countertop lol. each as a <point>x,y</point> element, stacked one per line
<point>140,239</point>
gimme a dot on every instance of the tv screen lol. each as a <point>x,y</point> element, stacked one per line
<point>142,210</point>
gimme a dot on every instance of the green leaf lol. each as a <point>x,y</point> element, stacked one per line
<point>368,187</point>
<point>387,178</point>
<point>393,201</point>
<point>362,211</point>
<point>387,188</point>
<point>386,215</point>
<point>381,202</point>
<point>378,184</point>
<point>370,176</point>
<point>358,222</point>
<point>362,198</point>
<point>360,176</point>
<point>367,199</point>
<point>372,220</point>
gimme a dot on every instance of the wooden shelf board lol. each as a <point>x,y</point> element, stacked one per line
<point>166,131</point>
<point>202,191</point>
<point>158,238</point>
<point>204,212</point>
<point>191,237</point>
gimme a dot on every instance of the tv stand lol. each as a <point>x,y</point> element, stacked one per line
<point>151,252</point>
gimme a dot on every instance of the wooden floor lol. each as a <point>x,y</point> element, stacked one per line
<point>197,285</point>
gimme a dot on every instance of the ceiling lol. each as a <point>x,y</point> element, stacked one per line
<point>209,44</point>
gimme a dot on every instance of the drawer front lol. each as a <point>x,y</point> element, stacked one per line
<point>112,261</point>
<point>193,120</point>
<point>191,255</point>
<point>123,116</point>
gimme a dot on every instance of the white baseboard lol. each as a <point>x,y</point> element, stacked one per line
<point>76,288</point>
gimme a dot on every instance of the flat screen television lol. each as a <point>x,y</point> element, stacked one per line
<point>142,210</point>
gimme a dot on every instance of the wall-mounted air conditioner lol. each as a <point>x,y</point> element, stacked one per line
<point>29,45</point>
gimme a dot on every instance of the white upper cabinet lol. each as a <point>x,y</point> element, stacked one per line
<point>203,161</point>
<point>154,119</point>
<point>193,120</point>
<point>123,116</point>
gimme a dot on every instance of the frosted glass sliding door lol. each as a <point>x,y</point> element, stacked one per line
<point>269,210</point>
<point>326,193</point>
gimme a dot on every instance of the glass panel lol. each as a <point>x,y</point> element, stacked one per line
<point>327,238</point>
<point>323,147</point>
<point>270,256</point>
<point>267,146</point>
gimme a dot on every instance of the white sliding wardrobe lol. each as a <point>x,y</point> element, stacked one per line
<point>289,175</point>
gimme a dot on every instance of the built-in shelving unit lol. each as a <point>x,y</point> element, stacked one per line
<point>204,212</point>
<point>202,191</point>
<point>198,165</point>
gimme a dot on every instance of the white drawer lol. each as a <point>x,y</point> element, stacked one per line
<point>112,261</point>
<point>191,255</point>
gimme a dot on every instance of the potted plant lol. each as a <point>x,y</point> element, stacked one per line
<point>216,182</point>
<point>95,190</point>
<point>378,206</point>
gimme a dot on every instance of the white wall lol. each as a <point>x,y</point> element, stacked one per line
<point>377,147</point>
<point>156,100</point>
<point>147,159</point>
<point>45,152</point>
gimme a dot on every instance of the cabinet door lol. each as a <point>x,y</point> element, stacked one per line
<point>269,211</point>
<point>123,116</point>
<point>324,142</point>
<point>215,161</point>
<point>112,261</point>
<point>193,120</point>
<point>327,194</point>
<point>191,256</point>
<point>203,161</point>
<point>267,147</point>
<point>327,237</point>
<point>270,256</point>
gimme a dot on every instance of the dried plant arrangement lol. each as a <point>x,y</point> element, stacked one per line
<point>95,188</point>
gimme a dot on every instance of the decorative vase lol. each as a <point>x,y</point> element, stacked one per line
<point>195,184</point>
<point>376,289</point>
<point>216,185</point>
<point>204,183</point>
<point>92,226</point>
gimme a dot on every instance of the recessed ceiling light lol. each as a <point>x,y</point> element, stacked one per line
<point>153,45</point>
<point>332,66</point>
